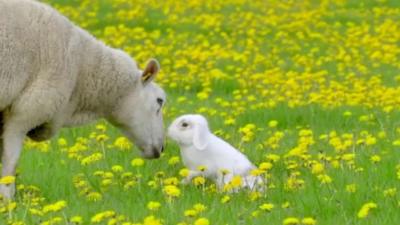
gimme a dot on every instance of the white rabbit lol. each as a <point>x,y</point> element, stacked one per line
<point>200,147</point>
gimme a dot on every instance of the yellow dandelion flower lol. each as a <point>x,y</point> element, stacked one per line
<point>265,166</point>
<point>172,191</point>
<point>77,220</point>
<point>137,162</point>
<point>308,221</point>
<point>351,188</point>
<point>55,207</point>
<point>199,207</point>
<point>123,143</point>
<point>375,158</point>
<point>190,213</point>
<point>202,221</point>
<point>184,172</point>
<point>225,199</point>
<point>201,168</point>
<point>324,179</point>
<point>151,220</point>
<point>390,192</point>
<point>291,221</point>
<point>199,180</point>
<point>173,160</point>
<point>117,168</point>
<point>285,205</point>
<point>267,206</point>
<point>272,123</point>
<point>236,181</point>
<point>153,205</point>
<point>365,209</point>
<point>7,180</point>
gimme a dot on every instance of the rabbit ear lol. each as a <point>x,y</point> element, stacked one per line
<point>201,136</point>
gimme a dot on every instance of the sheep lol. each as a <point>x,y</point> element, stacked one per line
<point>200,147</point>
<point>54,74</point>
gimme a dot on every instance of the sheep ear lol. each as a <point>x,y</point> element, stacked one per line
<point>201,136</point>
<point>150,72</point>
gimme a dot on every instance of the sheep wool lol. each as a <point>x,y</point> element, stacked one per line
<point>55,74</point>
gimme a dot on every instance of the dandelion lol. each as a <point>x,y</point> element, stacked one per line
<point>101,137</point>
<point>62,142</point>
<point>224,172</point>
<point>184,172</point>
<point>291,221</point>
<point>171,181</point>
<point>199,207</point>
<point>52,221</point>
<point>94,196</point>
<point>225,199</point>
<point>266,206</point>
<point>254,195</point>
<point>201,168</point>
<point>101,127</point>
<point>55,207</point>
<point>117,169</point>
<point>152,205</point>
<point>191,213</point>
<point>137,162</point>
<point>351,188</point>
<point>256,172</point>
<point>91,158</point>
<point>151,220</point>
<point>199,181</point>
<point>308,221</point>
<point>172,191</point>
<point>390,192</point>
<point>229,121</point>
<point>272,123</point>
<point>265,166</point>
<point>173,160</point>
<point>7,180</point>
<point>77,220</point>
<point>99,217</point>
<point>236,181</point>
<point>202,221</point>
<point>123,143</point>
<point>365,209</point>
<point>324,179</point>
<point>255,213</point>
<point>285,205</point>
<point>317,168</point>
<point>375,158</point>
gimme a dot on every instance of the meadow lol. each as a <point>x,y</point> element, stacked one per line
<point>309,90</point>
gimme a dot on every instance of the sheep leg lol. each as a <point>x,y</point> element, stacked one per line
<point>40,104</point>
<point>1,133</point>
<point>13,137</point>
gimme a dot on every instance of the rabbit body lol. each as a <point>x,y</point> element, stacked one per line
<point>201,148</point>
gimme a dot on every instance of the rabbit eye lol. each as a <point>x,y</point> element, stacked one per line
<point>184,124</point>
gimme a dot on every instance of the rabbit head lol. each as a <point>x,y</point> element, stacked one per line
<point>190,130</point>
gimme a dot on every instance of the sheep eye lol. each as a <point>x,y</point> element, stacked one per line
<point>184,124</point>
<point>160,101</point>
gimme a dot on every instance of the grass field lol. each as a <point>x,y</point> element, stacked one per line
<point>309,90</point>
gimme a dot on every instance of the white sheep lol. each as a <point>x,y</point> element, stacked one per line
<point>199,147</point>
<point>54,74</point>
